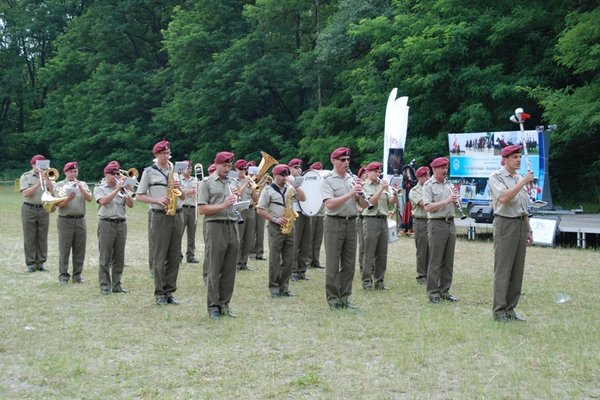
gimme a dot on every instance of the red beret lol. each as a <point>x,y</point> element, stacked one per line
<point>281,169</point>
<point>251,163</point>
<point>340,152</point>
<point>70,165</point>
<point>295,161</point>
<point>212,168</point>
<point>421,171</point>
<point>241,163</point>
<point>510,150</point>
<point>160,146</point>
<point>36,158</point>
<point>316,166</point>
<point>224,157</point>
<point>361,171</point>
<point>374,166</point>
<point>111,167</point>
<point>439,162</point>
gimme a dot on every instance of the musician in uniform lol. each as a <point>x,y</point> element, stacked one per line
<point>272,206</point>
<point>157,188</point>
<point>211,169</point>
<point>189,185</point>
<point>71,226</point>
<point>215,199</point>
<point>439,200</point>
<point>362,176</point>
<point>420,224</point>
<point>112,198</point>
<point>245,192</point>
<point>316,230</point>
<point>375,228</point>
<point>512,233</point>
<point>34,218</point>
<point>258,246</point>
<point>341,196</point>
<point>301,232</point>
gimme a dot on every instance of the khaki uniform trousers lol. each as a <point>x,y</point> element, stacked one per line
<point>35,221</point>
<point>222,245</point>
<point>111,246</point>
<point>340,258</point>
<point>281,248</point>
<point>259,244</point>
<point>422,245</point>
<point>301,244</point>
<point>442,239</point>
<point>72,236</point>
<point>316,231</point>
<point>166,251</point>
<point>189,226</point>
<point>375,236</point>
<point>510,243</point>
<point>361,241</point>
<point>246,236</point>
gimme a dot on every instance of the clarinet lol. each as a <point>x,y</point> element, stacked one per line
<point>457,202</point>
<point>355,179</point>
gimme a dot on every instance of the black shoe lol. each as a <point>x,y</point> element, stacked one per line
<point>246,267</point>
<point>303,277</point>
<point>349,306</point>
<point>119,289</point>
<point>161,301</point>
<point>435,299</point>
<point>260,258</point>
<point>287,293</point>
<point>450,298</point>
<point>421,280</point>
<point>275,295</point>
<point>78,280</point>
<point>215,314</point>
<point>515,317</point>
<point>502,318</point>
<point>295,278</point>
<point>31,268</point>
<point>105,291</point>
<point>335,306</point>
<point>42,268</point>
<point>381,286</point>
<point>367,287</point>
<point>172,300</point>
<point>63,282</point>
<point>317,266</point>
<point>193,260</point>
<point>228,313</point>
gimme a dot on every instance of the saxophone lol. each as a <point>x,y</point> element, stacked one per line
<point>289,213</point>
<point>172,193</point>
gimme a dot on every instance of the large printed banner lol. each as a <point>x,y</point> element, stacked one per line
<point>396,123</point>
<point>474,156</point>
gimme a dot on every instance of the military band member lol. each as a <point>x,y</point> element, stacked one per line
<point>112,198</point>
<point>272,207</point>
<point>34,218</point>
<point>71,226</point>
<point>440,201</point>
<point>258,246</point>
<point>301,232</point>
<point>362,176</point>
<point>316,230</point>
<point>246,237</point>
<point>189,185</point>
<point>211,169</point>
<point>512,233</point>
<point>165,230</point>
<point>214,202</point>
<point>420,224</point>
<point>341,195</point>
<point>375,228</point>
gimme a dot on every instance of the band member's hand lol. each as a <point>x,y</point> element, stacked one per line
<point>454,197</point>
<point>357,188</point>
<point>230,200</point>
<point>528,178</point>
<point>529,238</point>
<point>164,201</point>
<point>176,184</point>
<point>191,191</point>
<point>71,196</point>
<point>280,221</point>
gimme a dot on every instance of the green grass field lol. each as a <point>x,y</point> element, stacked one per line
<point>70,342</point>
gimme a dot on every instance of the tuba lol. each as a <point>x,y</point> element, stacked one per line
<point>262,178</point>
<point>172,193</point>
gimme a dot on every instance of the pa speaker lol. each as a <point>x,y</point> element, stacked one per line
<point>482,214</point>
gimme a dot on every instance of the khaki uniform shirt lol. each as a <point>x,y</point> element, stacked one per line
<point>75,206</point>
<point>382,207</point>
<point>188,184</point>
<point>273,201</point>
<point>499,182</point>
<point>433,191</point>
<point>114,209</point>
<point>214,191</point>
<point>247,193</point>
<point>333,186</point>
<point>27,180</point>
<point>415,195</point>
<point>154,183</point>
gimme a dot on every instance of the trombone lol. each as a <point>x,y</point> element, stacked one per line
<point>131,173</point>
<point>49,202</point>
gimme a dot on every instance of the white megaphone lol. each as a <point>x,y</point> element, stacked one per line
<point>516,117</point>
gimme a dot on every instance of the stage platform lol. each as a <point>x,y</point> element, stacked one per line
<point>583,230</point>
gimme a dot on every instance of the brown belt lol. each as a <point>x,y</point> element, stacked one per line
<point>33,205</point>
<point>348,218</point>
<point>72,216</point>
<point>113,220</point>
<point>163,211</point>
<point>221,221</point>
<point>376,216</point>
<point>447,219</point>
<point>519,217</point>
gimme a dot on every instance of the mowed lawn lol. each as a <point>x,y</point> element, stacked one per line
<point>70,342</point>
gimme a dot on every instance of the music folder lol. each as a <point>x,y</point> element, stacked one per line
<point>297,181</point>
<point>181,166</point>
<point>42,164</point>
<point>240,205</point>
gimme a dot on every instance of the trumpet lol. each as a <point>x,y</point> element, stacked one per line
<point>457,201</point>
<point>364,196</point>
<point>238,215</point>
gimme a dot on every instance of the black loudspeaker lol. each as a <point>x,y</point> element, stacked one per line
<point>482,214</point>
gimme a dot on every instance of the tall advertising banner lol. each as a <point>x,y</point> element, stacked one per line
<point>396,124</point>
<point>474,156</point>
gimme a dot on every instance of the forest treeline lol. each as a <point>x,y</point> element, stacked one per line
<point>97,80</point>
